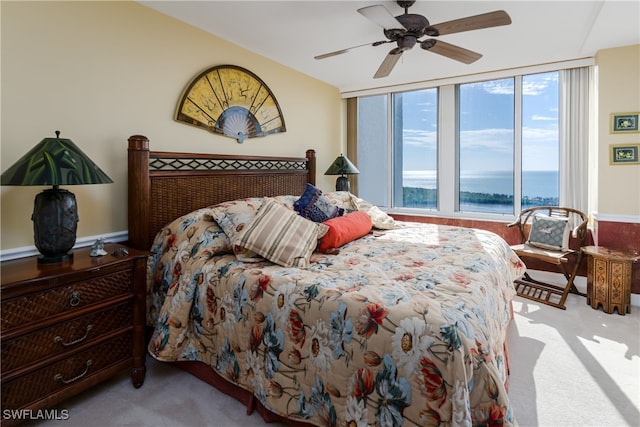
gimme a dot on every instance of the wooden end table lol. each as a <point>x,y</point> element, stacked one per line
<point>609,278</point>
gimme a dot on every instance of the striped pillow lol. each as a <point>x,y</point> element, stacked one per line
<point>280,235</point>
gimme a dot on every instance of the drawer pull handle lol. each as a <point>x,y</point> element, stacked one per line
<point>58,339</point>
<point>74,299</point>
<point>58,377</point>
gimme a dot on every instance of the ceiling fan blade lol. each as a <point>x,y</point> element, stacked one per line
<point>450,51</point>
<point>381,16</point>
<point>341,51</point>
<point>476,22</point>
<point>387,65</point>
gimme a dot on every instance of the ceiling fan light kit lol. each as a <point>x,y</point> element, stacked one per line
<point>406,30</point>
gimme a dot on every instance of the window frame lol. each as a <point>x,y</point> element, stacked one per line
<point>448,144</point>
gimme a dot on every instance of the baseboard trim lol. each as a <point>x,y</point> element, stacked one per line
<point>81,242</point>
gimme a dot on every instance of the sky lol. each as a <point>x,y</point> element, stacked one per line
<point>486,124</point>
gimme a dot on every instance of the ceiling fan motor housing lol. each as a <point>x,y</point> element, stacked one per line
<point>405,3</point>
<point>414,25</point>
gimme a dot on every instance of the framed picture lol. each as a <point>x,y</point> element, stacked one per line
<point>624,122</point>
<point>624,154</point>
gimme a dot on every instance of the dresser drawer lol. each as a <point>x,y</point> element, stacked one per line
<point>48,342</point>
<point>37,306</point>
<point>64,374</point>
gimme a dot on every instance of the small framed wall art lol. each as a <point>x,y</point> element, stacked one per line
<point>626,154</point>
<point>624,123</point>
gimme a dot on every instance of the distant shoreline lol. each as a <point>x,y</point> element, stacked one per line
<point>415,197</point>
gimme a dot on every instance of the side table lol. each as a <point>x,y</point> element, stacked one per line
<point>609,278</point>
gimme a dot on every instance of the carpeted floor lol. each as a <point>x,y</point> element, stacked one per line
<point>574,367</point>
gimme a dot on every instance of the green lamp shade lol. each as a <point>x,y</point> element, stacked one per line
<point>54,161</point>
<point>342,166</point>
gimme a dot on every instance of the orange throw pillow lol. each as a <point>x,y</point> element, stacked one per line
<point>344,229</point>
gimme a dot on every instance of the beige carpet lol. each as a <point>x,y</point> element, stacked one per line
<point>578,367</point>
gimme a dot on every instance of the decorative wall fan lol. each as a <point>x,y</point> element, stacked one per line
<point>231,101</point>
<point>405,30</point>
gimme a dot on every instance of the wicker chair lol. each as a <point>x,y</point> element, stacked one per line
<point>536,290</point>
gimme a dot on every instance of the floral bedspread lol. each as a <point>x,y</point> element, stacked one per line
<point>402,327</point>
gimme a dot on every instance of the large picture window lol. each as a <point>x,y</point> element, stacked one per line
<point>482,148</point>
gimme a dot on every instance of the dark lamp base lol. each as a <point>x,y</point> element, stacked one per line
<point>58,259</point>
<point>342,184</point>
<point>55,221</point>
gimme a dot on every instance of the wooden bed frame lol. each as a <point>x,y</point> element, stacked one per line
<point>166,185</point>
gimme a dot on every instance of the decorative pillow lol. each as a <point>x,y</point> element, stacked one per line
<point>341,199</point>
<point>549,233</point>
<point>379,219</point>
<point>313,205</point>
<point>233,217</point>
<point>344,229</point>
<point>280,235</point>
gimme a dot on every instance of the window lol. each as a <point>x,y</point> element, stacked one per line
<point>481,148</point>
<point>415,148</point>
<point>486,145</point>
<point>373,156</point>
<point>540,136</point>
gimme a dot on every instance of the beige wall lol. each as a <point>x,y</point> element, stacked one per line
<point>618,80</point>
<point>102,71</point>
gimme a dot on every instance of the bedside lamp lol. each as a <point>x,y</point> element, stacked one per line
<point>342,166</point>
<point>54,161</point>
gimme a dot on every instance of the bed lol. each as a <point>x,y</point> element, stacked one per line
<point>403,325</point>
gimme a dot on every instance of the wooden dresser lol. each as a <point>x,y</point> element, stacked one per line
<point>609,278</point>
<point>66,327</point>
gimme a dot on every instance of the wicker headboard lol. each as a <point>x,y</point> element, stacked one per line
<point>166,185</point>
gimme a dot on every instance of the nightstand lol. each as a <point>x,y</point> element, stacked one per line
<point>66,327</point>
<point>609,278</point>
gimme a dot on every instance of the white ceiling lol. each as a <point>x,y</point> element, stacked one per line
<point>293,32</point>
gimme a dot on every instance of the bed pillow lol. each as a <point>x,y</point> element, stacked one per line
<point>549,233</point>
<point>313,205</point>
<point>233,216</point>
<point>340,199</point>
<point>344,229</point>
<point>280,235</point>
<point>379,219</point>
<point>198,231</point>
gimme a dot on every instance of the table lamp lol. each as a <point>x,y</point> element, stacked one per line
<point>56,162</point>
<point>342,166</point>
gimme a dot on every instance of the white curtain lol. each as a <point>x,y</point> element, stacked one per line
<point>575,126</point>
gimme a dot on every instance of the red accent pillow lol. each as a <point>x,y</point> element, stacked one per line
<point>344,229</point>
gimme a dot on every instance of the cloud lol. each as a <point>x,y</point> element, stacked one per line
<point>538,83</point>
<point>496,140</point>
<point>495,87</point>
<point>417,137</point>
<point>539,135</point>
<point>537,117</point>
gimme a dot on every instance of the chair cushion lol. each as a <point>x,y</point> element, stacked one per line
<point>550,233</point>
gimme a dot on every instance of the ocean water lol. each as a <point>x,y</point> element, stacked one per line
<point>535,184</point>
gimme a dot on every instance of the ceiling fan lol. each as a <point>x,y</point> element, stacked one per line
<point>405,30</point>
